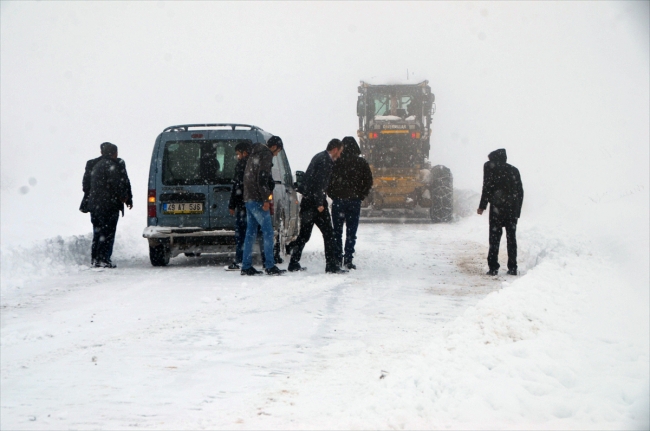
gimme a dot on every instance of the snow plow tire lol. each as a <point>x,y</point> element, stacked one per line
<point>442,194</point>
<point>158,255</point>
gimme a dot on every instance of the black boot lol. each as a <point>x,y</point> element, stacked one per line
<point>295,266</point>
<point>336,270</point>
<point>274,270</point>
<point>251,271</point>
<point>233,267</point>
<point>492,272</point>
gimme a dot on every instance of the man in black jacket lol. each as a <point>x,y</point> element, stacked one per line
<point>350,184</point>
<point>314,208</point>
<point>109,190</point>
<point>503,190</point>
<point>85,184</point>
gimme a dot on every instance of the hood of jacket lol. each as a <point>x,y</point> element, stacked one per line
<point>259,148</point>
<point>351,149</point>
<point>498,156</point>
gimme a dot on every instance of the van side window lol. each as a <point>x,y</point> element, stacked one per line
<point>275,170</point>
<point>288,178</point>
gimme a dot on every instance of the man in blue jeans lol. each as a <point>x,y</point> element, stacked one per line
<point>258,196</point>
<point>237,206</point>
<point>350,183</point>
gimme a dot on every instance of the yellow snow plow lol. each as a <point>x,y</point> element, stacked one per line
<point>394,133</point>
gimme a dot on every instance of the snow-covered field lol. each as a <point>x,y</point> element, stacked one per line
<point>418,337</point>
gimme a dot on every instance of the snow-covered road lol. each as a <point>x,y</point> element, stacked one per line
<point>193,346</point>
<point>143,345</point>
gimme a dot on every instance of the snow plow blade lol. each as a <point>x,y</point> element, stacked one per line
<point>404,216</point>
<point>389,220</point>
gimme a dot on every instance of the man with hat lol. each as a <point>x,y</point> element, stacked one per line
<point>106,188</point>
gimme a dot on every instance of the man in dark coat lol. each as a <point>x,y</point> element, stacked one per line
<point>350,184</point>
<point>237,207</point>
<point>314,208</point>
<point>109,190</point>
<point>85,184</point>
<point>503,190</point>
<point>258,194</point>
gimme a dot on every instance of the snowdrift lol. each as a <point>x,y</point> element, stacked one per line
<point>558,348</point>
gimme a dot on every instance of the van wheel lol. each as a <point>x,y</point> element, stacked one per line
<point>159,255</point>
<point>442,194</point>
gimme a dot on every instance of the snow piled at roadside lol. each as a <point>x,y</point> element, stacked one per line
<point>62,255</point>
<point>555,349</point>
<point>53,256</point>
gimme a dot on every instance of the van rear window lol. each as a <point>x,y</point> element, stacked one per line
<point>199,162</point>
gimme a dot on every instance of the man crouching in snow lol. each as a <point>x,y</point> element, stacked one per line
<point>314,209</point>
<point>503,189</point>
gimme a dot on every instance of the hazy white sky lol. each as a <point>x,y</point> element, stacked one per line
<point>563,86</point>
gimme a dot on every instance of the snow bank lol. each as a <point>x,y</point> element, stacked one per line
<point>561,347</point>
<point>52,256</point>
<point>548,351</point>
<point>62,255</point>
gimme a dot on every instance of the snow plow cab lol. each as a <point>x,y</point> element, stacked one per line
<point>394,133</point>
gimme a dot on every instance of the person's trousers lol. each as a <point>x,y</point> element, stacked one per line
<point>496,231</point>
<point>256,217</point>
<point>240,235</point>
<point>345,211</point>
<point>104,227</point>
<point>310,216</point>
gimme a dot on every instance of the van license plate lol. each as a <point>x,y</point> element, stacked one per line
<point>184,208</point>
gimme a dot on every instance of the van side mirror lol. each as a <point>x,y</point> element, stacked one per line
<point>299,177</point>
<point>429,104</point>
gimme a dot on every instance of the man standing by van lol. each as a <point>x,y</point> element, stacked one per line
<point>257,197</point>
<point>236,205</point>
<point>503,190</point>
<point>314,208</point>
<point>110,189</point>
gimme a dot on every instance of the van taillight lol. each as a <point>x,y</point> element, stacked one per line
<point>151,204</point>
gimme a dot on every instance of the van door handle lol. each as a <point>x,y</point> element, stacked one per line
<point>222,189</point>
<point>214,206</point>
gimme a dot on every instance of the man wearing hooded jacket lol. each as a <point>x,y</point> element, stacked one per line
<point>108,188</point>
<point>503,190</point>
<point>350,184</point>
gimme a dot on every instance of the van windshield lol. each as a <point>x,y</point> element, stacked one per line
<point>199,162</point>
